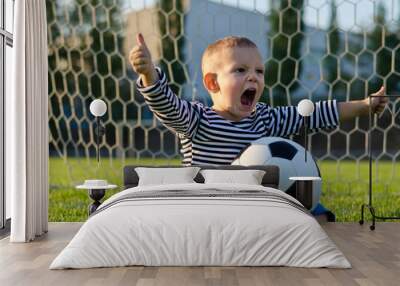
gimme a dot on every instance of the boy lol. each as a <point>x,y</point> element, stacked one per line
<point>233,74</point>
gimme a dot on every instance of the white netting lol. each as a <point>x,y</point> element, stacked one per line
<point>312,49</point>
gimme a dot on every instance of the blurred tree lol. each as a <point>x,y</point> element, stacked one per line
<point>377,41</point>
<point>285,37</point>
<point>83,42</point>
<point>171,25</point>
<point>330,62</point>
<point>85,62</point>
<point>336,63</point>
<point>83,36</point>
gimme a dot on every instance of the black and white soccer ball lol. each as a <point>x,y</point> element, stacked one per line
<point>288,156</point>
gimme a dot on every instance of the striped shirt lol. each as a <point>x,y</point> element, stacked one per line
<point>209,139</point>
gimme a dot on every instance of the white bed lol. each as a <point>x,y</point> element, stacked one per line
<point>250,225</point>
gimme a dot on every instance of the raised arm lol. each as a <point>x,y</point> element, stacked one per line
<point>140,59</point>
<point>176,114</point>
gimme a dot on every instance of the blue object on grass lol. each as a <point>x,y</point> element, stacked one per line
<point>321,210</point>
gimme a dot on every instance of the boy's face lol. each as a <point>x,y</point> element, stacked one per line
<point>240,82</point>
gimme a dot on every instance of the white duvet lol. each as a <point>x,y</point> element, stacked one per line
<point>183,231</point>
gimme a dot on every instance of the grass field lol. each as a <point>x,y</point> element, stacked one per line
<point>345,186</point>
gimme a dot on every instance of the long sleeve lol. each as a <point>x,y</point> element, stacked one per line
<point>179,115</point>
<point>285,120</point>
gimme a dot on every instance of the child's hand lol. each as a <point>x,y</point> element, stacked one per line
<point>353,108</point>
<point>378,104</point>
<point>140,59</point>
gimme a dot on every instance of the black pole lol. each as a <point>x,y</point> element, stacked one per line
<point>370,152</point>
<point>371,116</point>
<point>98,137</point>
<point>305,138</point>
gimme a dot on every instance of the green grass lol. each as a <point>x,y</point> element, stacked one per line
<point>345,187</point>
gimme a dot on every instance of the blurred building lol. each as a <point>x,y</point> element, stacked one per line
<point>146,22</point>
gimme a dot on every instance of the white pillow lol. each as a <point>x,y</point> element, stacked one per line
<point>165,176</point>
<point>248,177</point>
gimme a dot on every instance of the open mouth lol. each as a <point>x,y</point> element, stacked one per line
<point>248,97</point>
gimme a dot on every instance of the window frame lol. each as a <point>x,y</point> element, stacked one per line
<point>6,39</point>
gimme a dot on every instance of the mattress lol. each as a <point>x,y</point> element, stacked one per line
<point>201,225</point>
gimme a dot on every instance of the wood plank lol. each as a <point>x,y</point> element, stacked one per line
<point>374,255</point>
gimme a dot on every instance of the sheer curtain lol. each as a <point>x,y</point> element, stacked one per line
<point>27,124</point>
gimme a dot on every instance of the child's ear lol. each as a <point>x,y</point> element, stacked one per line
<point>210,82</point>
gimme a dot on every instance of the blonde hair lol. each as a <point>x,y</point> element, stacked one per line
<point>219,45</point>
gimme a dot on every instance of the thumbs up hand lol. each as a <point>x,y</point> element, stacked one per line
<point>140,59</point>
<point>378,104</point>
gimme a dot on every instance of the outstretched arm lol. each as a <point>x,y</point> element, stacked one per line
<point>286,120</point>
<point>354,108</point>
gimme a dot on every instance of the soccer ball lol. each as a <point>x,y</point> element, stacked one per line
<point>288,156</point>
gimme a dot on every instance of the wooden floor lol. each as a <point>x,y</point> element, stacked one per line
<point>374,255</point>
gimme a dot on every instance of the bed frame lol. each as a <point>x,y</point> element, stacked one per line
<point>270,179</point>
